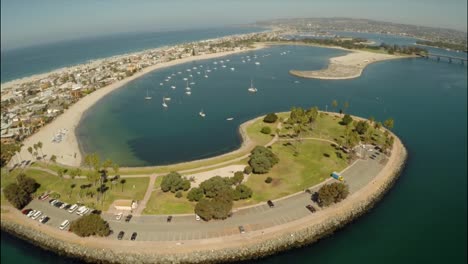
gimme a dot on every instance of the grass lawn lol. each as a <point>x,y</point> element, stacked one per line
<point>253,131</point>
<point>166,203</point>
<point>295,173</point>
<point>134,188</point>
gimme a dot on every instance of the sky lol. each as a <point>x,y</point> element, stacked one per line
<point>30,22</point>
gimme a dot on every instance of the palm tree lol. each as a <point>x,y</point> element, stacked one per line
<point>39,146</point>
<point>334,104</point>
<point>122,182</point>
<point>30,151</point>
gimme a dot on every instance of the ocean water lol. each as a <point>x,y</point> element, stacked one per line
<point>23,62</point>
<point>421,220</point>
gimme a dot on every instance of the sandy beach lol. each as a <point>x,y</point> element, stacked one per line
<point>67,151</point>
<point>348,66</point>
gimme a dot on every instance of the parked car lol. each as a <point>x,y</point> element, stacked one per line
<point>51,201</point>
<point>31,213</point>
<point>270,203</point>
<point>43,197</point>
<point>36,215</point>
<point>197,217</point>
<point>120,235</point>
<point>118,216</point>
<point>81,210</point>
<point>134,235</point>
<point>169,219</point>
<point>73,208</point>
<point>63,205</point>
<point>58,204</point>
<point>241,229</point>
<point>44,220</point>
<point>26,211</point>
<point>66,207</point>
<point>64,224</point>
<point>128,218</point>
<point>311,208</point>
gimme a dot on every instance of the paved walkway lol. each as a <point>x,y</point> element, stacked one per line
<point>149,190</point>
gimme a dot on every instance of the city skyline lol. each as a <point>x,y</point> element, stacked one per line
<point>27,23</point>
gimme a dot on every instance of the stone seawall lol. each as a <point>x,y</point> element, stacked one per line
<point>294,236</point>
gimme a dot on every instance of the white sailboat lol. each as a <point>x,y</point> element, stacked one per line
<point>252,89</point>
<point>164,103</point>
<point>230,118</point>
<point>192,82</point>
<point>187,88</point>
<point>257,63</point>
<point>206,75</point>
<point>188,92</point>
<point>173,87</point>
<point>147,96</point>
<point>202,114</point>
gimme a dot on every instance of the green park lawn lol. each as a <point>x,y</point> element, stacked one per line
<point>134,188</point>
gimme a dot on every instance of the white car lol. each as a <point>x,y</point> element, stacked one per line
<point>64,224</point>
<point>36,215</point>
<point>63,205</point>
<point>197,217</point>
<point>80,210</point>
<point>31,213</point>
<point>118,216</point>
<point>72,208</point>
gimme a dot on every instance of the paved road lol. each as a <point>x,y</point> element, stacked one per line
<point>185,227</point>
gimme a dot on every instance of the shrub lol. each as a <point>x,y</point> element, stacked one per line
<point>270,118</point>
<point>28,184</point>
<point>242,192</point>
<point>178,194</point>
<point>268,180</point>
<point>332,193</point>
<point>90,225</point>
<point>247,169</point>
<point>347,119</point>
<point>195,194</point>
<point>266,130</point>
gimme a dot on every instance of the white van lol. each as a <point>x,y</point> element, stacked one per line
<point>82,210</point>
<point>36,215</point>
<point>64,224</point>
<point>72,208</point>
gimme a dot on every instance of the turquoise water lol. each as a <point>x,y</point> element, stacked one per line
<point>421,220</point>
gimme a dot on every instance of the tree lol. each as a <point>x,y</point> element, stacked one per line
<point>266,130</point>
<point>270,118</point>
<point>334,104</point>
<point>347,119</point>
<point>174,182</point>
<point>268,180</point>
<point>388,123</point>
<point>53,158</point>
<point>247,169</point>
<point>371,119</point>
<point>115,168</point>
<point>262,159</point>
<point>90,225</point>
<point>242,192</point>
<point>345,105</point>
<point>204,209</point>
<point>195,194</point>
<point>39,146</point>
<point>28,184</point>
<point>107,164</point>
<point>215,186</point>
<point>60,172</point>
<point>30,150</point>
<point>361,127</point>
<point>377,125</point>
<point>237,178</point>
<point>332,193</point>
<point>93,176</point>
<point>16,195</point>
<point>178,194</point>
<point>122,182</point>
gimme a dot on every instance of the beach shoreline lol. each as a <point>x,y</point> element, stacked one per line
<point>348,66</point>
<point>68,151</point>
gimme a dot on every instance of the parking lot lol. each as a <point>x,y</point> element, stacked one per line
<point>186,227</point>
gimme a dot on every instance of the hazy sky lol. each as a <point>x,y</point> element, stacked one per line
<point>28,22</point>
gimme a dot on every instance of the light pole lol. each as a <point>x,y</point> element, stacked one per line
<point>326,108</point>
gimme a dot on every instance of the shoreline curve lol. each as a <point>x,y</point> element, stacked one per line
<point>257,244</point>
